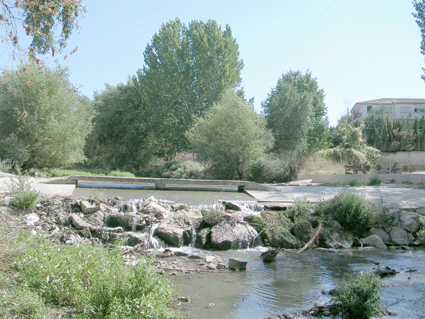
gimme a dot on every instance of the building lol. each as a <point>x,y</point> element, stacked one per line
<point>398,108</point>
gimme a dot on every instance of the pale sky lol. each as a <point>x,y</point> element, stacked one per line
<point>357,50</point>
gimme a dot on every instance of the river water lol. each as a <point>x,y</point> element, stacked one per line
<point>292,283</point>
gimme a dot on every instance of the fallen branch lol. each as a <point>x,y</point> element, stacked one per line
<point>312,239</point>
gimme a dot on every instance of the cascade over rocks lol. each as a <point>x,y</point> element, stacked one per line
<point>145,223</point>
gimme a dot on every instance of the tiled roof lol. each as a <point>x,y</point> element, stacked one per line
<point>393,101</point>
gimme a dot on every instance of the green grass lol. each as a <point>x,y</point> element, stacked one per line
<point>317,165</point>
<point>89,280</point>
<point>60,172</point>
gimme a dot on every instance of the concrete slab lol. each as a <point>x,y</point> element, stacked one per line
<point>390,197</point>
<point>40,185</point>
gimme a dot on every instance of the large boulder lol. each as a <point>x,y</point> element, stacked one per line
<point>176,231</point>
<point>400,236</point>
<point>409,221</point>
<point>280,238</point>
<point>303,230</point>
<point>203,238</point>
<point>80,223</point>
<point>128,221</point>
<point>232,235</point>
<point>333,236</point>
<point>373,241</point>
<point>156,210</point>
<point>382,234</point>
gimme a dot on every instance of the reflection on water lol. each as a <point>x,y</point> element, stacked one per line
<point>293,283</point>
<point>178,196</point>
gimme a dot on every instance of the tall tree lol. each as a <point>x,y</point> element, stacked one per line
<point>43,120</point>
<point>186,70</point>
<point>353,148</point>
<point>419,15</point>
<point>374,125</point>
<point>229,137</point>
<point>41,20</point>
<point>296,113</point>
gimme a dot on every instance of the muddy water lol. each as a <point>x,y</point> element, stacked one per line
<point>295,281</point>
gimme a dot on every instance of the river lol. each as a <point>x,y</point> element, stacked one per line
<point>292,283</point>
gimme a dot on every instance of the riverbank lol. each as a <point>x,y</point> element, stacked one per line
<point>72,220</point>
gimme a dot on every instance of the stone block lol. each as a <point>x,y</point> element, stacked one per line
<point>236,264</point>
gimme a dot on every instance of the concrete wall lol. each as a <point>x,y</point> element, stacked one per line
<point>417,179</point>
<point>415,161</point>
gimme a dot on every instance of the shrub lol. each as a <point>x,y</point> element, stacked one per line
<point>275,168</point>
<point>25,200</point>
<point>24,197</point>
<point>92,279</point>
<point>355,183</point>
<point>5,166</point>
<point>352,211</point>
<point>361,297</point>
<point>19,185</point>
<point>375,181</point>
<point>301,210</point>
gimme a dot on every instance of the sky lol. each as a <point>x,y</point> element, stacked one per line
<point>357,50</point>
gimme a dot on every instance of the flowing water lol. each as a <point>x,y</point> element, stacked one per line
<point>296,281</point>
<point>292,283</point>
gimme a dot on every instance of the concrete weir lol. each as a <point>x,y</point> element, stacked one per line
<point>162,183</point>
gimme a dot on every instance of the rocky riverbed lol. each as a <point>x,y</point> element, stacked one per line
<point>144,226</point>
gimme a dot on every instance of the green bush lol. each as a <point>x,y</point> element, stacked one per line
<point>25,200</point>
<point>352,211</point>
<point>175,169</point>
<point>375,181</point>
<point>361,297</point>
<point>275,168</point>
<point>5,166</point>
<point>300,211</point>
<point>94,280</point>
<point>355,183</point>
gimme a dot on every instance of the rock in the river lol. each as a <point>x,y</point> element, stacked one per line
<point>87,207</point>
<point>303,230</point>
<point>332,238</point>
<point>269,255</point>
<point>374,241</point>
<point>400,236</point>
<point>156,210</point>
<point>128,221</point>
<point>232,235</point>
<point>409,221</point>
<point>382,234</point>
<point>80,223</point>
<point>176,231</point>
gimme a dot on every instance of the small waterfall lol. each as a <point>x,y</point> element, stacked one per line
<point>152,241</point>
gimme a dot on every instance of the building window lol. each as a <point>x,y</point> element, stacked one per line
<point>369,108</point>
<point>419,110</point>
